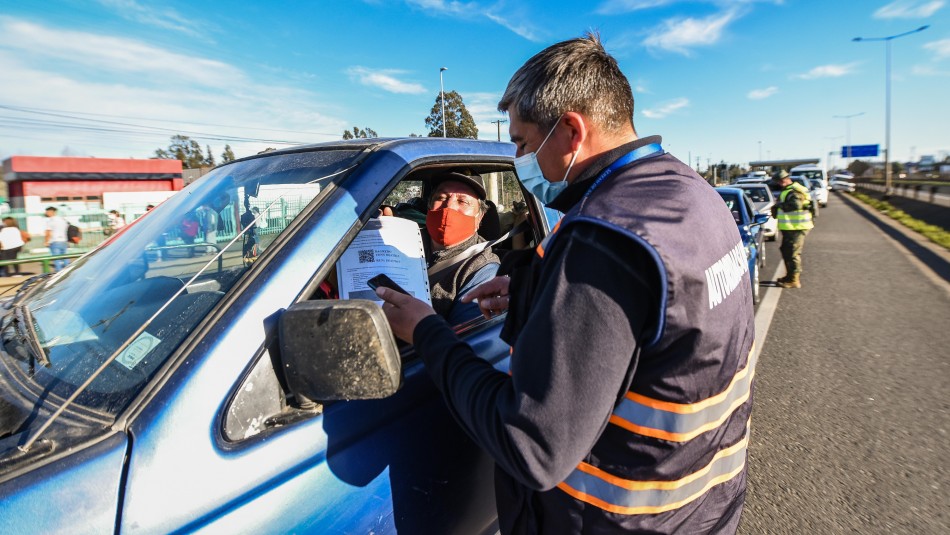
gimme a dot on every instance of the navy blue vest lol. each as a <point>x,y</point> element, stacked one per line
<point>673,457</point>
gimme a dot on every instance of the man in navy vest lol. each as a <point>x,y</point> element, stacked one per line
<point>629,396</point>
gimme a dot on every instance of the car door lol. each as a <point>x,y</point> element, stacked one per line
<point>222,450</point>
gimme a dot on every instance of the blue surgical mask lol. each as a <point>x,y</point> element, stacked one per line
<point>529,173</point>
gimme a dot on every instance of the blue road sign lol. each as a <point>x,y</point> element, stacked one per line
<point>858,151</point>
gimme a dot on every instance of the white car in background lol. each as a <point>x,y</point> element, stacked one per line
<point>842,183</point>
<point>819,191</point>
<point>762,201</point>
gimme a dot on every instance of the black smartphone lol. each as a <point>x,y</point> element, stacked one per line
<point>383,280</point>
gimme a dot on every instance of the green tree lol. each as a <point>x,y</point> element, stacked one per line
<point>209,161</point>
<point>359,133</point>
<point>859,167</point>
<point>185,149</point>
<point>227,155</point>
<point>458,122</point>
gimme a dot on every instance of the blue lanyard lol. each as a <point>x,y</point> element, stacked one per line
<point>646,151</point>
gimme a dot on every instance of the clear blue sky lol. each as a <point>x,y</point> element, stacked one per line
<point>718,79</point>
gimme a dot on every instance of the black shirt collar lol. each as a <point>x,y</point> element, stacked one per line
<point>575,191</point>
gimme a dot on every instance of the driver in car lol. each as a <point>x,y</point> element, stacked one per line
<point>458,258</point>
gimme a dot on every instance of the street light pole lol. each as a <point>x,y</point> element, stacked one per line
<point>831,155</point>
<point>887,99</point>
<point>442,98</point>
<point>847,132</point>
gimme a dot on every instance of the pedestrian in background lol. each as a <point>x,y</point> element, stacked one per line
<point>208,218</point>
<point>55,237</point>
<point>794,212</point>
<point>629,396</point>
<point>11,242</point>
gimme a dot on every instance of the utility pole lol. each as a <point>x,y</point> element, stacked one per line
<point>442,97</point>
<point>498,124</point>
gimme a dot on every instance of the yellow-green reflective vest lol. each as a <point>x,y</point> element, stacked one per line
<point>798,220</point>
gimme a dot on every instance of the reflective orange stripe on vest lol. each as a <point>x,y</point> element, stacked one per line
<point>627,497</point>
<point>544,243</point>
<point>679,422</point>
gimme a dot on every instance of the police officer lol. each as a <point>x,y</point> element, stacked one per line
<point>794,212</point>
<point>629,395</point>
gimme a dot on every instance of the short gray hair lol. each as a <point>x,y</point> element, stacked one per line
<point>576,75</point>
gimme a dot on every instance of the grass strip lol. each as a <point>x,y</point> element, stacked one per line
<point>933,233</point>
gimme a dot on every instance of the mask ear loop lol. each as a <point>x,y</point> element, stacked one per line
<point>570,165</point>
<point>551,131</point>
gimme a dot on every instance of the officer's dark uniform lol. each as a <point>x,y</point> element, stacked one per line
<point>629,398</point>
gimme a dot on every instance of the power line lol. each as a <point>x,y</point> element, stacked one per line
<point>49,110</point>
<point>148,130</point>
<point>52,126</point>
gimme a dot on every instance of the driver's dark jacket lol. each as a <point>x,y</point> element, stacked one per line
<point>629,394</point>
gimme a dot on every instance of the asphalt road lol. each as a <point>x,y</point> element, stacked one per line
<point>851,409</point>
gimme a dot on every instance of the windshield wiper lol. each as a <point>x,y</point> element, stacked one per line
<point>26,335</point>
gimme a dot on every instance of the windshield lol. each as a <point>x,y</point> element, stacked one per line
<point>809,174</point>
<point>758,194</point>
<point>142,292</point>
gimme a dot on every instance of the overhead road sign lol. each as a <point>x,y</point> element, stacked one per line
<point>858,151</point>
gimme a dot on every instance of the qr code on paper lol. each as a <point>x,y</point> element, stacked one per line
<point>366,256</point>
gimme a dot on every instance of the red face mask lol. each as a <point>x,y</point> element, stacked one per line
<point>450,227</point>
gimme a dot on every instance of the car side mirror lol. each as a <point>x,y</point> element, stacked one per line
<point>760,219</point>
<point>339,350</point>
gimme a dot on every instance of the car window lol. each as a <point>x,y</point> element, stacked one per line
<point>503,210</point>
<point>758,194</point>
<point>131,302</point>
<point>260,397</point>
<point>732,203</point>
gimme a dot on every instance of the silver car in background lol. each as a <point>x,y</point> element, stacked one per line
<point>842,183</point>
<point>819,190</point>
<point>762,201</point>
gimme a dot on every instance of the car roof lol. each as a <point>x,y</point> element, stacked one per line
<point>407,147</point>
<point>486,156</point>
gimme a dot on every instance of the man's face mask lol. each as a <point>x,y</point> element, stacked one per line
<point>450,227</point>
<point>529,173</point>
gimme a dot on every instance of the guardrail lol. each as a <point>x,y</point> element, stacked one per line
<point>920,192</point>
<point>45,261</point>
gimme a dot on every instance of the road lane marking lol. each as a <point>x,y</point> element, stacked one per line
<point>763,316</point>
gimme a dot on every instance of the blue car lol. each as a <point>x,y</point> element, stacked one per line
<point>180,378</point>
<point>750,225</point>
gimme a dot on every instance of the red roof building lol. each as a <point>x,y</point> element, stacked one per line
<point>65,179</point>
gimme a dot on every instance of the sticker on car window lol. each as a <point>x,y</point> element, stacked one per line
<point>137,350</point>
